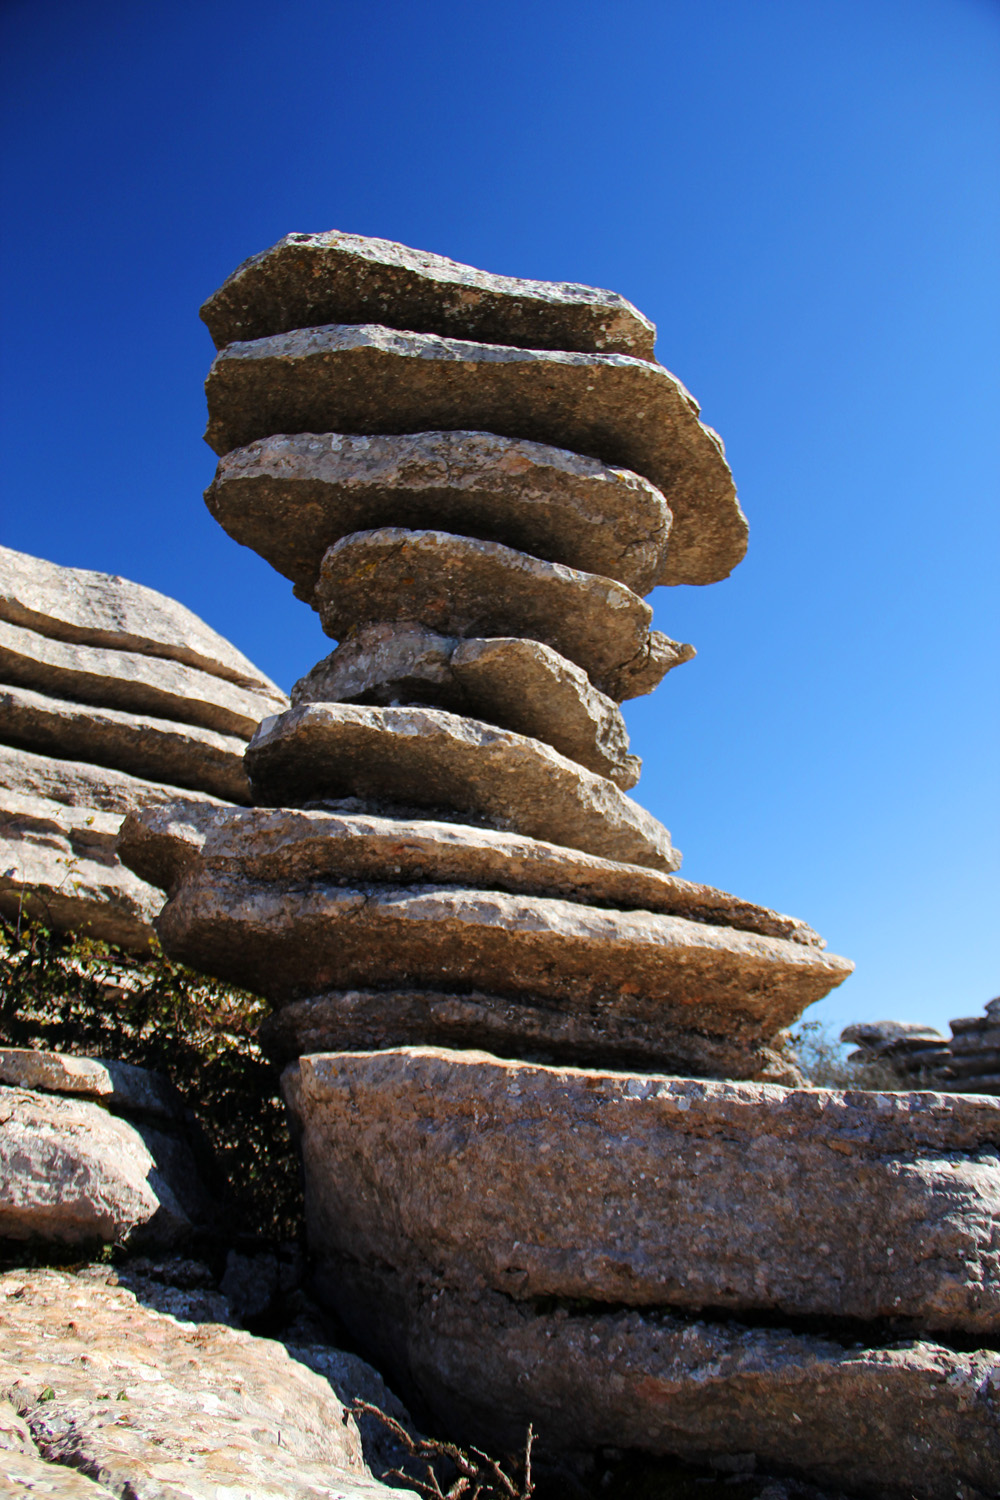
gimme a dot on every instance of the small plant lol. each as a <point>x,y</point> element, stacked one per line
<point>477,1475</point>
<point>821,1059</point>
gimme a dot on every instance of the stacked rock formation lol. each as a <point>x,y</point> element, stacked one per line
<point>474,481</point>
<point>112,697</point>
<point>967,1063</point>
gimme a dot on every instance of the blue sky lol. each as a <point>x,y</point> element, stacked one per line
<point>805,197</point>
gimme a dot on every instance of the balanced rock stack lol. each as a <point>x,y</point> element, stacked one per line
<point>112,697</point>
<point>967,1063</point>
<point>474,481</point>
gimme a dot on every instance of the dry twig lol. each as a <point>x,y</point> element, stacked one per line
<point>480,1477</point>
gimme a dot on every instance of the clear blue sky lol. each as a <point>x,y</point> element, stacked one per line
<point>803,194</point>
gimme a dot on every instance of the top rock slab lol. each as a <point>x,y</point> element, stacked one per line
<point>307,279</point>
<point>100,609</point>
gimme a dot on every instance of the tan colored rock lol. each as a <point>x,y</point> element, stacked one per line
<point>299,845</point>
<point>513,682</point>
<point>646,671</point>
<point>287,940</point>
<point>130,681</point>
<point>119,1086</point>
<point>162,1409</point>
<point>370,379</point>
<point>91,788</point>
<point>456,585</point>
<point>557,1032</point>
<point>72,1173</point>
<point>333,277</point>
<point>291,496</point>
<point>98,609</point>
<point>908,1420</point>
<point>439,760</point>
<point>537,1181</point>
<point>182,755</point>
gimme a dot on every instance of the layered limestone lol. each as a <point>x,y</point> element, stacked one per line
<point>511,681</point>
<point>371,379</point>
<point>86,788</point>
<point>435,759</point>
<point>459,1161</point>
<point>159,1408</point>
<point>99,609</point>
<point>290,496</point>
<point>121,1087</point>
<point>332,277</point>
<point>456,585</point>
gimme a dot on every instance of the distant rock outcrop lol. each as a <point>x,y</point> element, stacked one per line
<point>112,697</point>
<point>967,1063</point>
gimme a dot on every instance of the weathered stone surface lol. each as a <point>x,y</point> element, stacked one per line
<point>58,864</point>
<point>898,1421</point>
<point>288,940</point>
<point>437,759</point>
<point>333,277</point>
<point>371,379</point>
<point>90,788</point>
<point>538,1181</point>
<point>163,1410</point>
<point>161,843</point>
<point>366,1020</point>
<point>510,681</point>
<point>184,755</point>
<point>73,1173</point>
<point>290,496</point>
<point>119,1086</point>
<point>646,671</point>
<point>98,609</point>
<point>128,680</point>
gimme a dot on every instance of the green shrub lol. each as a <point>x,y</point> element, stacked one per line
<point>824,1064</point>
<point>77,995</point>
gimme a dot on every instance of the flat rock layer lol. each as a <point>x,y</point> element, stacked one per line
<point>161,843</point>
<point>163,1409</point>
<point>120,1087</point>
<point>290,496</point>
<point>287,940</point>
<point>131,681</point>
<point>77,784</point>
<point>511,681</point>
<point>537,1181</point>
<point>349,278</point>
<point>457,585</point>
<point>440,760</point>
<point>99,609</point>
<point>183,755</point>
<point>371,379</point>
<point>901,1421</point>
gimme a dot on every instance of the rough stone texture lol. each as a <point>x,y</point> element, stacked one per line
<point>371,379</point>
<point>333,277</point>
<point>288,940</point>
<point>510,681</point>
<point>183,755</point>
<point>290,496</point>
<point>119,1086</point>
<point>164,1410</point>
<point>98,609</point>
<point>127,680</point>
<point>73,1173</point>
<point>457,585</point>
<point>538,1181</point>
<point>88,788</point>
<point>161,843</point>
<point>366,1020</point>
<point>437,759</point>
<point>894,1421</point>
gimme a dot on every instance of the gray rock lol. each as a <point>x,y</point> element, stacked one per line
<point>290,496</point>
<point>290,939</point>
<point>98,609</point>
<point>371,379</point>
<point>72,1173</point>
<point>349,278</point>
<point>513,682</point>
<point>437,759</point>
<point>121,1087</point>
<point>130,681</point>
<point>456,585</point>
<point>90,788</point>
<point>161,843</point>
<point>556,1032</point>
<point>182,755</point>
<point>161,1409</point>
<point>620,1188</point>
